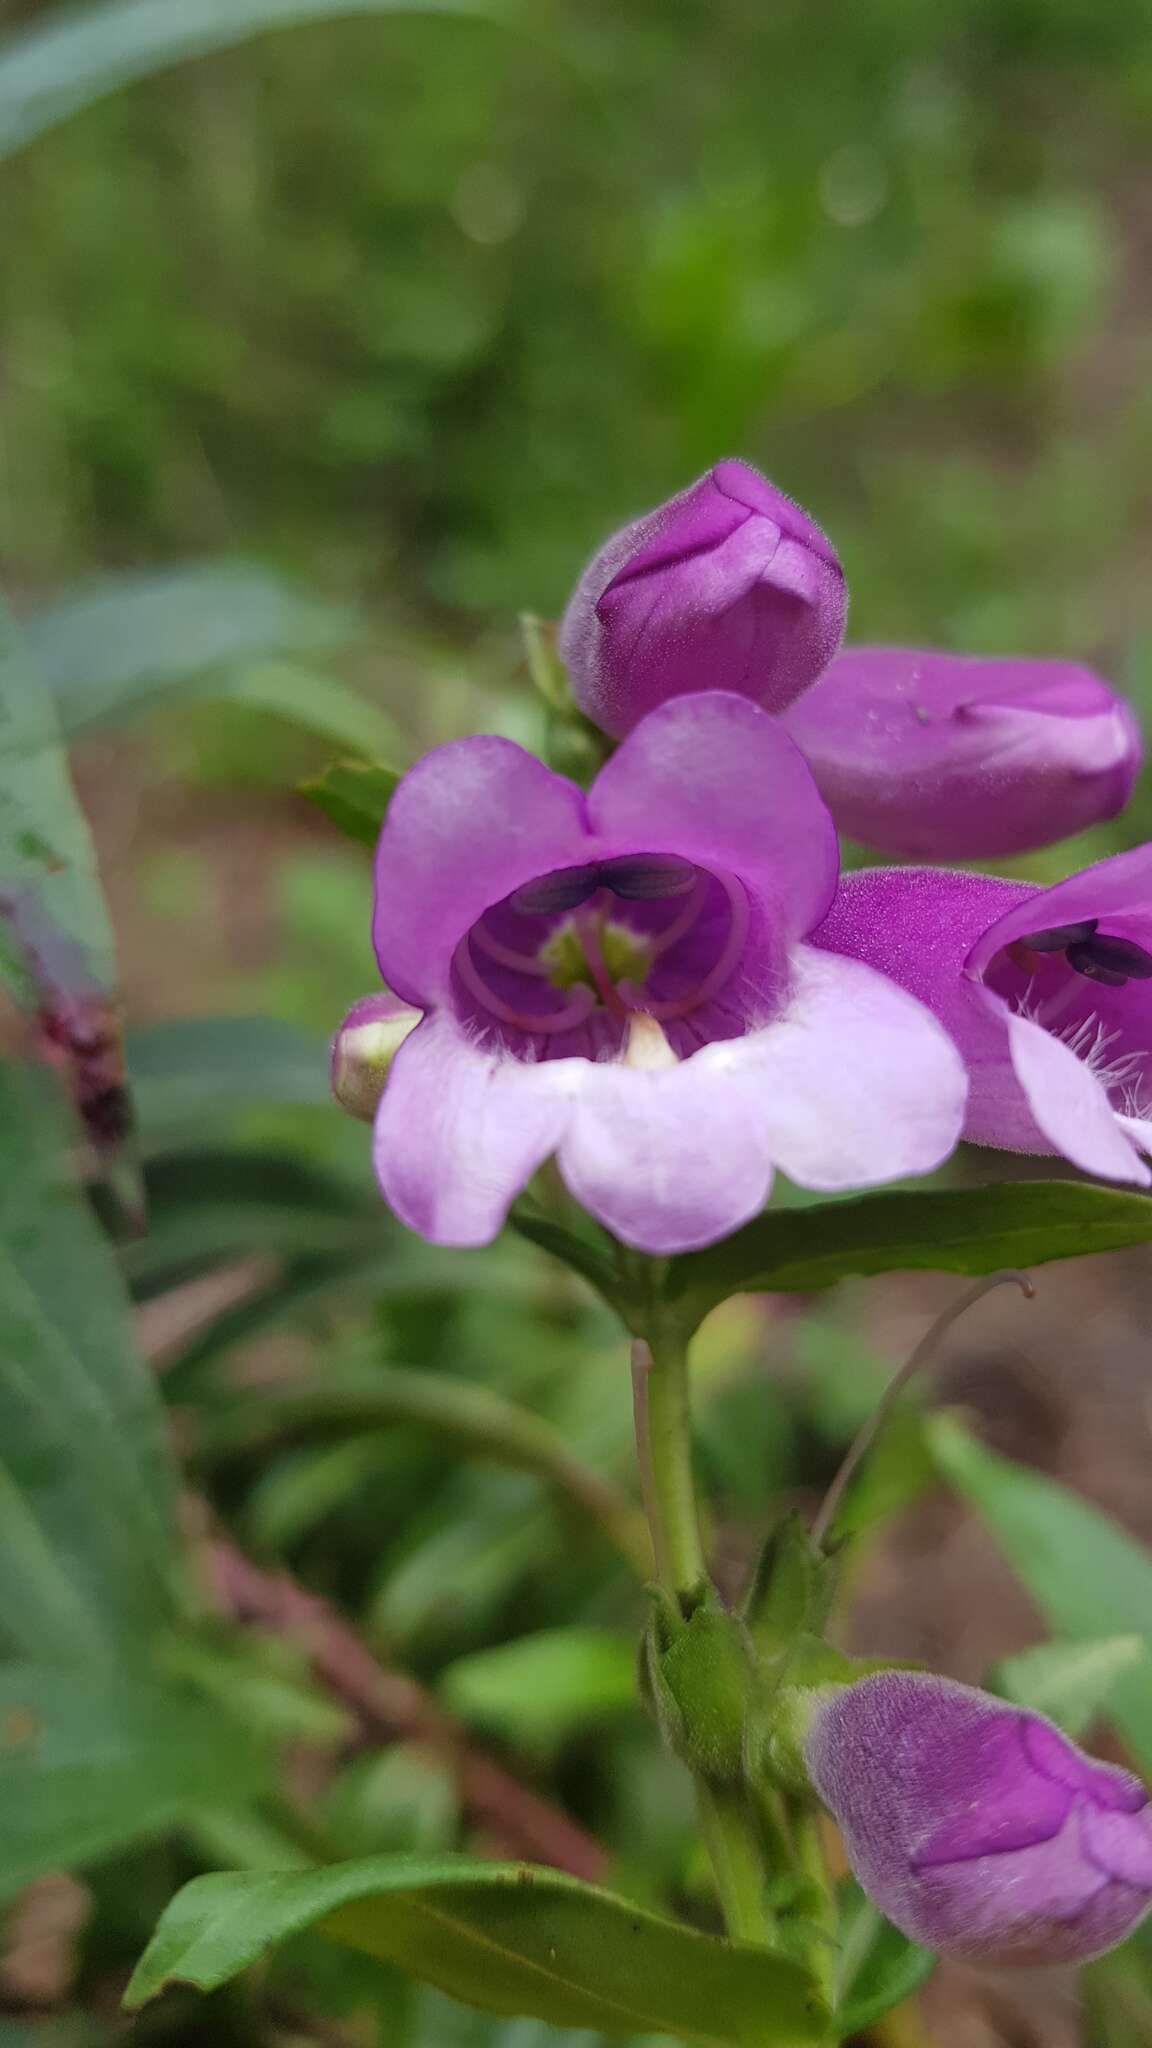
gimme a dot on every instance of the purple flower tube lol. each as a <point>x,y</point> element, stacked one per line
<point>978,1828</point>
<point>729,586</point>
<point>953,757</point>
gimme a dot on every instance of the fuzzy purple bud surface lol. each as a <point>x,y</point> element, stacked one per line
<point>728,586</point>
<point>980,1829</point>
<point>953,757</point>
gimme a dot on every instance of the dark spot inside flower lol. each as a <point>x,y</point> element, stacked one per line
<point>1060,936</point>
<point>1097,955</point>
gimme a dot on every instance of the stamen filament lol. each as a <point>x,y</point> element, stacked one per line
<point>718,973</point>
<point>576,1010</point>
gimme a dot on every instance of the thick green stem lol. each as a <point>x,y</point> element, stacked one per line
<point>664,1441</point>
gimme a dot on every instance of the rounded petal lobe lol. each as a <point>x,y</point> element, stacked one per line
<point>859,1082</point>
<point>1117,891</point>
<point>466,826</point>
<point>714,779</point>
<point>958,757</point>
<point>460,1131</point>
<point>668,1159</point>
<point>1068,1103</point>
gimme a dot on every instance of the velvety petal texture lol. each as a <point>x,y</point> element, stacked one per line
<point>960,757</point>
<point>622,981</point>
<point>1056,1038</point>
<point>979,1829</point>
<point>728,586</point>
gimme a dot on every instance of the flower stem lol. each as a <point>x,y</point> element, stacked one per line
<point>660,1386</point>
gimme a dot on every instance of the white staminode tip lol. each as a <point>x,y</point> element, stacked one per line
<point>647,1044</point>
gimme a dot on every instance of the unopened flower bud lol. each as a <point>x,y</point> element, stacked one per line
<point>729,586</point>
<point>977,1827</point>
<point>958,757</point>
<point>364,1048</point>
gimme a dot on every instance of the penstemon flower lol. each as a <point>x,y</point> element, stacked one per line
<point>623,978</point>
<point>1047,992</point>
<point>977,1827</point>
<point>729,586</point>
<point>954,757</point>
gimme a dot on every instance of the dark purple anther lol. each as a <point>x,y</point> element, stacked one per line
<point>1059,936</point>
<point>1113,961</point>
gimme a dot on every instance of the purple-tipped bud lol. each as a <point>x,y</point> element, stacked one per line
<point>957,757</point>
<point>729,586</point>
<point>979,1828</point>
<point>364,1048</point>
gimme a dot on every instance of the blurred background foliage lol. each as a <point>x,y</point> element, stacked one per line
<point>320,358</point>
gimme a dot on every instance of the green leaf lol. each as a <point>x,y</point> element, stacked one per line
<point>510,1939</point>
<point>544,1687</point>
<point>206,631</point>
<point>86,1492</point>
<point>355,795</point>
<point>49,73</point>
<point>190,1072</point>
<point>95,1756</point>
<point>1087,1577</point>
<point>877,1966</point>
<point>51,894</point>
<point>1070,1682</point>
<point>211,1205</point>
<point>953,1230</point>
<point>478,1418</point>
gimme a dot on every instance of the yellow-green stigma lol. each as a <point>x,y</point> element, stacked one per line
<point>626,956</point>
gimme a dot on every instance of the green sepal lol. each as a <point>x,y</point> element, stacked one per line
<point>788,1698</point>
<point>699,1681</point>
<point>791,1591</point>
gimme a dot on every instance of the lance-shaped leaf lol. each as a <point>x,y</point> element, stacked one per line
<point>56,949</point>
<point>946,1230</point>
<point>508,1938</point>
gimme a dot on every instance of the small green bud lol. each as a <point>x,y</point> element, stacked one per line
<point>791,1590</point>
<point>700,1684</point>
<point>364,1048</point>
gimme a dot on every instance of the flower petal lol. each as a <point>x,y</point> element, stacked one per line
<point>467,825</point>
<point>918,926</point>
<point>1068,1103</point>
<point>1118,890</point>
<point>460,1131</point>
<point>714,779</point>
<point>668,1159</point>
<point>858,1081</point>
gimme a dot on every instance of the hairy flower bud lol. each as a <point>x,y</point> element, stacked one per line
<point>363,1050</point>
<point>729,586</point>
<point>979,1828</point>
<point>956,757</point>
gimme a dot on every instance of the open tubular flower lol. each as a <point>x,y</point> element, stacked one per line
<point>1047,993</point>
<point>622,978</point>
<point>953,757</point>
<point>729,586</point>
<point>977,1827</point>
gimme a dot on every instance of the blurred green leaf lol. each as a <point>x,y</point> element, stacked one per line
<point>50,72</point>
<point>546,1687</point>
<point>1070,1682</point>
<point>1085,1574</point>
<point>478,1418</point>
<point>51,898</point>
<point>186,1072</point>
<point>355,795</point>
<point>877,1967</point>
<point>954,1230</point>
<point>510,1939</point>
<point>96,1755</point>
<point>202,630</point>
<point>86,1487</point>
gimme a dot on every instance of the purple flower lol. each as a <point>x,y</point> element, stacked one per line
<point>950,757</point>
<point>729,586</point>
<point>1047,993</point>
<point>979,1829</point>
<point>621,978</point>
